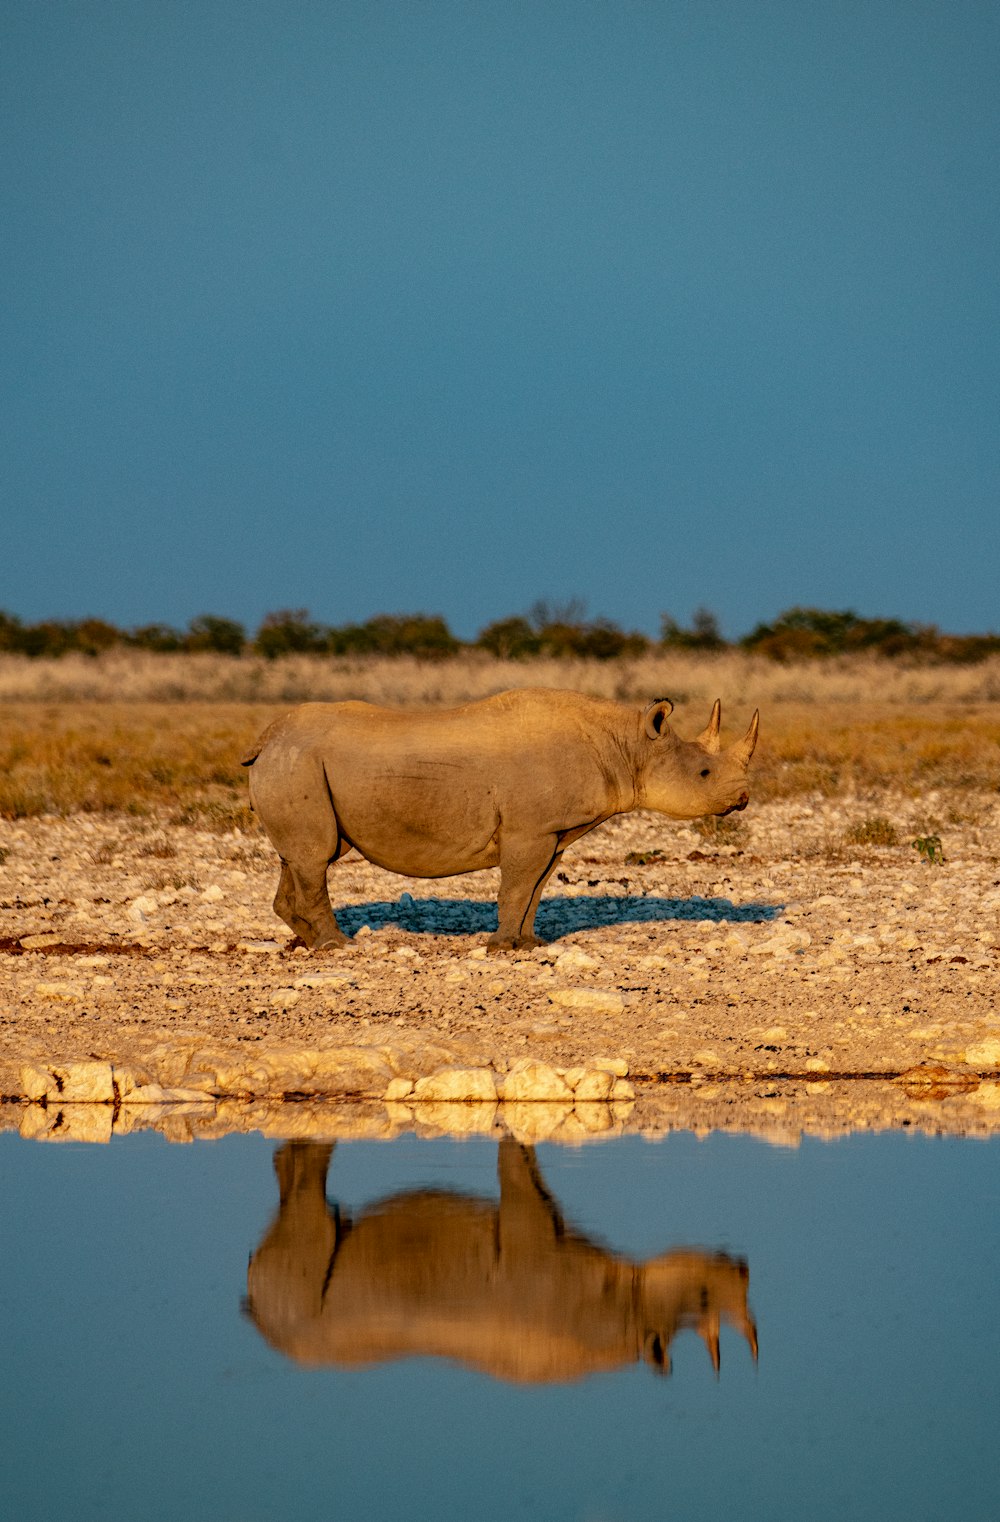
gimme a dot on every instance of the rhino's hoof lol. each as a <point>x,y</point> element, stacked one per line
<point>330,941</point>
<point>498,943</point>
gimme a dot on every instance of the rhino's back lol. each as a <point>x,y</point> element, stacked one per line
<point>523,719</point>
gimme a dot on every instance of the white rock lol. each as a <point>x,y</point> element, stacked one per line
<point>984,1054</point>
<point>69,1083</point>
<point>61,990</point>
<point>574,959</point>
<point>457,1084</point>
<point>616,1065</point>
<point>213,894</point>
<point>34,1082</point>
<point>595,1085</point>
<point>773,946</point>
<point>342,1070</point>
<point>157,1094</point>
<point>597,1001</point>
<point>530,1079</point>
<point>398,1088</point>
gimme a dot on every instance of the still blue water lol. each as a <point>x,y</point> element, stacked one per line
<point>136,1384</point>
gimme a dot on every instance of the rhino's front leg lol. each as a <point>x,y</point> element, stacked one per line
<point>525,865</point>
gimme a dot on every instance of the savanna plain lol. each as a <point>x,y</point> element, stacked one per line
<point>827,960</point>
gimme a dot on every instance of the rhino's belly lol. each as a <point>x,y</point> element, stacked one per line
<point>420,858</point>
<point>421,830</point>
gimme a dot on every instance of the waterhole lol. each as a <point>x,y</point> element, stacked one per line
<point>251,1331</point>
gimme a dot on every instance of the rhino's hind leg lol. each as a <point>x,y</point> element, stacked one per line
<point>296,809</point>
<point>304,904</point>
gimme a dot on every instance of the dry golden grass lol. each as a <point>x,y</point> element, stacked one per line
<point>62,758</point>
<point>181,759</point>
<point>742,681</point>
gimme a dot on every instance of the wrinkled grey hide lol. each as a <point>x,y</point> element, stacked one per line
<point>509,781</point>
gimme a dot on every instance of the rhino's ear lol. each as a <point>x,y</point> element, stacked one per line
<point>656,716</point>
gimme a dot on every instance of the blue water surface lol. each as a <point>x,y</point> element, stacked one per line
<point>135,1385</point>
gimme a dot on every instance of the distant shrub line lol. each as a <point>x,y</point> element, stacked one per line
<point>798,634</point>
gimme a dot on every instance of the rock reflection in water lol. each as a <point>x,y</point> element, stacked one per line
<point>507,1288</point>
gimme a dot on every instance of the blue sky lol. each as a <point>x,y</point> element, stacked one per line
<point>369,306</point>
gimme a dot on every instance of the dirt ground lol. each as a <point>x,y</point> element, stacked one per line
<point>775,978</point>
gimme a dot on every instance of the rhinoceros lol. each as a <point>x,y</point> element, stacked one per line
<point>508,781</point>
<point>505,1287</point>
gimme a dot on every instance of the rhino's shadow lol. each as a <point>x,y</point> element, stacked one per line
<point>556,916</point>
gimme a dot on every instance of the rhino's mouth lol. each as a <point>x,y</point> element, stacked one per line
<point>738,806</point>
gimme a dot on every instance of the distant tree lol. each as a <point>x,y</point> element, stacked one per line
<point>351,639</point>
<point>424,635</point>
<point>290,631</point>
<point>51,637</point>
<point>92,635</point>
<point>509,639</point>
<point>545,615</point>
<point>598,640</point>
<point>11,634</point>
<point>207,632</point>
<point>704,633</point>
<point>808,633</point>
<point>159,637</point>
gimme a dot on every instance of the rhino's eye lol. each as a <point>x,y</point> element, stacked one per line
<point>706,772</point>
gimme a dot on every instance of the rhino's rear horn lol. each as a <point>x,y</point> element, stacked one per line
<point>709,736</point>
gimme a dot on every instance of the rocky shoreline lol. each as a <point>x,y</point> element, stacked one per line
<point>785,978</point>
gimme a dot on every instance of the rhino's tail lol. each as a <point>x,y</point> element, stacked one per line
<point>249,756</point>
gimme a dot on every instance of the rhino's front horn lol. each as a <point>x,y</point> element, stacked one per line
<point>744,749</point>
<point>709,736</point>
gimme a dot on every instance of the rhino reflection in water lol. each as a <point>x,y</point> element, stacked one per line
<point>507,1288</point>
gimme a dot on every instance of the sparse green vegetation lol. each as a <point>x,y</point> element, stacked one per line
<point>930,848</point>
<point>724,831</point>
<point>875,830</point>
